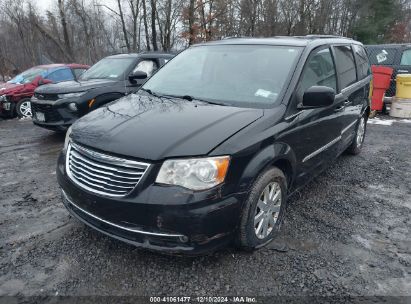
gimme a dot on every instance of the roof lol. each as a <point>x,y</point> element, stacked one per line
<point>59,65</point>
<point>78,65</point>
<point>394,45</point>
<point>301,41</point>
<point>142,54</point>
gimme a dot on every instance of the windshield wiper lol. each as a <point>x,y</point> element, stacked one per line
<point>191,98</point>
<point>150,92</point>
<point>185,97</point>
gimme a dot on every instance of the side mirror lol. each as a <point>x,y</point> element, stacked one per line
<point>137,75</point>
<point>318,96</point>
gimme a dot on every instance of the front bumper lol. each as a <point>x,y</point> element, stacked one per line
<point>166,219</point>
<point>57,116</point>
<point>6,108</point>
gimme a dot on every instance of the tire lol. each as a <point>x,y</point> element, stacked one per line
<point>23,108</point>
<point>248,236</point>
<point>358,140</point>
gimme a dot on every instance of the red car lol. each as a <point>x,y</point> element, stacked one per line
<point>16,93</point>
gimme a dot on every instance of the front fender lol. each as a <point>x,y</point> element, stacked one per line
<point>103,99</point>
<point>277,153</point>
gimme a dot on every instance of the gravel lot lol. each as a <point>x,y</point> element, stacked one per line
<point>346,233</point>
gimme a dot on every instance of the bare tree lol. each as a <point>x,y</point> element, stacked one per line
<point>30,36</point>
<point>153,25</point>
<point>145,18</point>
<point>67,43</point>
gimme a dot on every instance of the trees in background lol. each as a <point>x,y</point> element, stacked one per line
<point>87,30</point>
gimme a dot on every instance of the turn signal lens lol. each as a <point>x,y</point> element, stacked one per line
<point>222,166</point>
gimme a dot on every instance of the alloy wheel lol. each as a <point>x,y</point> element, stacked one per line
<point>25,109</point>
<point>267,210</point>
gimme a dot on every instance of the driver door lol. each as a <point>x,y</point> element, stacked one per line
<point>314,134</point>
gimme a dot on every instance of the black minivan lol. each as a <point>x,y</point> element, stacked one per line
<point>57,106</point>
<point>209,148</point>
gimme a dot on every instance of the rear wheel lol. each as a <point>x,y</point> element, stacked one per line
<point>23,108</point>
<point>264,210</point>
<point>357,143</point>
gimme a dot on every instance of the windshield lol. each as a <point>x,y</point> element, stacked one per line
<point>239,75</point>
<point>28,76</point>
<point>108,68</point>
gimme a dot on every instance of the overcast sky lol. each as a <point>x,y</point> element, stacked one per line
<point>51,4</point>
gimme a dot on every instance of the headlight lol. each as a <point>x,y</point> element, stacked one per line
<point>67,140</point>
<point>72,106</point>
<point>194,174</point>
<point>71,95</point>
<point>2,97</point>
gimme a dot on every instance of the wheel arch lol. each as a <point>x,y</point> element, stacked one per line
<point>278,155</point>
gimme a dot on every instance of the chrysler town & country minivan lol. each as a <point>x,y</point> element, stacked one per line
<point>207,151</point>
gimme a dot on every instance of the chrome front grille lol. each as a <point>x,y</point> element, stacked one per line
<point>102,173</point>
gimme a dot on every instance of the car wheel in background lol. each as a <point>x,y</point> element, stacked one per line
<point>358,140</point>
<point>23,108</point>
<point>264,210</point>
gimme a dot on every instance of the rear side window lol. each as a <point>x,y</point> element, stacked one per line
<point>319,71</point>
<point>406,57</point>
<point>344,60</point>
<point>363,65</point>
<point>381,55</point>
<point>60,75</point>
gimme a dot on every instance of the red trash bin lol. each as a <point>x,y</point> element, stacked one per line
<point>381,82</point>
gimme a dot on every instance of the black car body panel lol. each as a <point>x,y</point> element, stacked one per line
<point>97,92</point>
<point>144,128</point>
<point>78,86</point>
<point>181,128</point>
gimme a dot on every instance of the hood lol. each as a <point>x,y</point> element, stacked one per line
<point>75,86</point>
<point>8,88</point>
<point>152,128</point>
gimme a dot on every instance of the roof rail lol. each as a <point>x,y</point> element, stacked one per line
<point>322,37</point>
<point>234,37</point>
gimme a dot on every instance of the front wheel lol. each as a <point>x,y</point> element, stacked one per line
<point>357,143</point>
<point>264,210</point>
<point>23,108</point>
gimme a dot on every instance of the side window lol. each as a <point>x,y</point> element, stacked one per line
<point>406,58</point>
<point>78,72</point>
<point>60,75</point>
<point>147,66</point>
<point>319,71</point>
<point>362,62</point>
<point>344,59</point>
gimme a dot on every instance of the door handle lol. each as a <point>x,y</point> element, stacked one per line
<point>339,108</point>
<point>402,71</point>
<point>347,102</point>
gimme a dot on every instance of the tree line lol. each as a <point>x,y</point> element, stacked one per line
<point>84,31</point>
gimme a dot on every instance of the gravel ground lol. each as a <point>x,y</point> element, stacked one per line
<point>346,233</point>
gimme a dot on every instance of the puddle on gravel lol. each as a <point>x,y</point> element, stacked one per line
<point>285,244</point>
